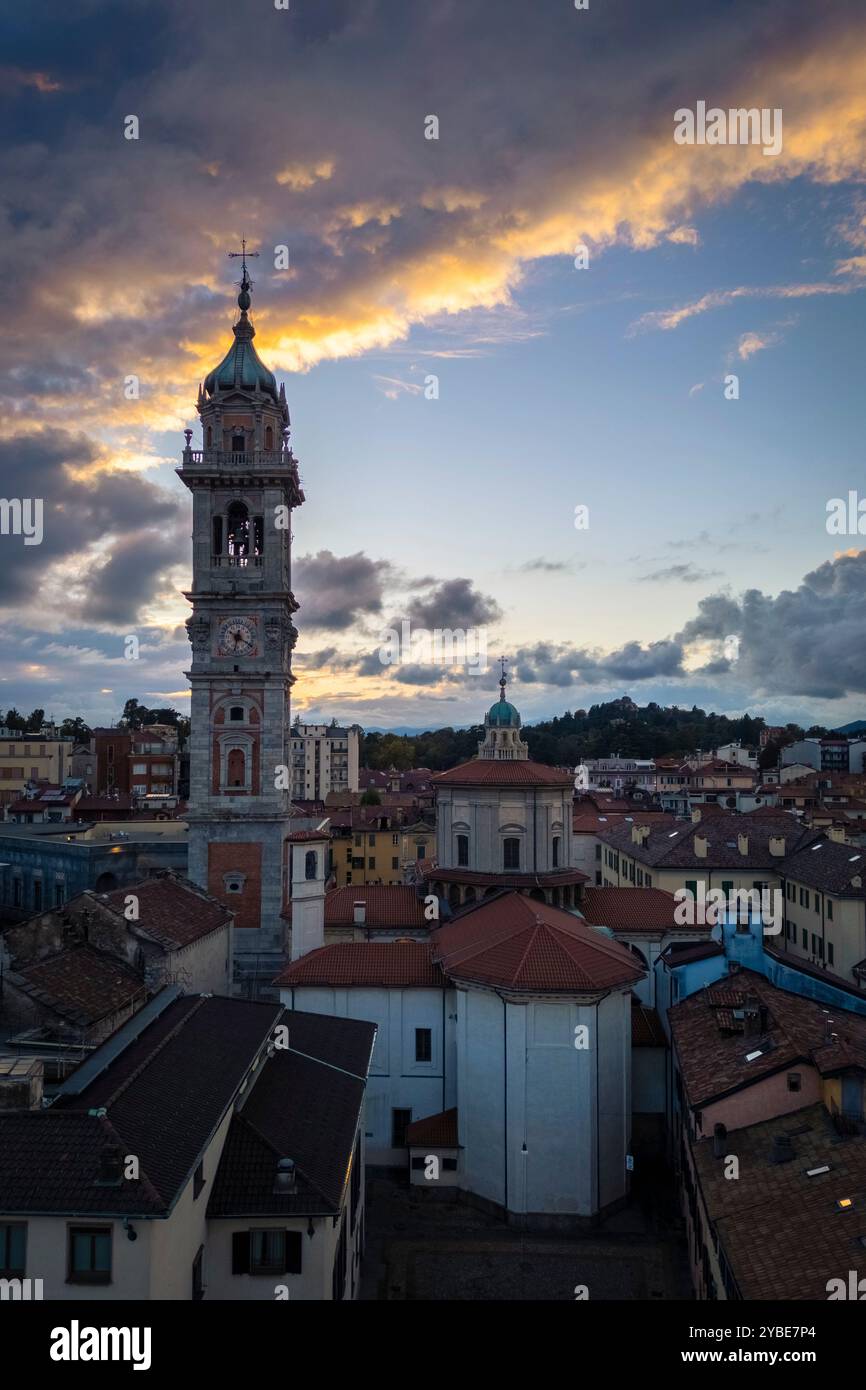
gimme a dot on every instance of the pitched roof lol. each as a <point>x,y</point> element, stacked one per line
<point>387,905</point>
<point>782,1234</point>
<point>439,1131</point>
<point>390,964</point>
<point>163,1096</point>
<point>172,910</point>
<point>495,772</point>
<point>709,1032</point>
<point>81,984</point>
<point>630,909</point>
<point>830,867</point>
<point>306,1106</point>
<point>514,942</point>
<point>674,849</point>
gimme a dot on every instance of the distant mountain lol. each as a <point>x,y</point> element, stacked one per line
<point>857,726</point>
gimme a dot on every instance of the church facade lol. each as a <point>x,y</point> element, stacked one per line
<point>245,485</point>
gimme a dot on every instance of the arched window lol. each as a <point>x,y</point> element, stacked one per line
<point>511,853</point>
<point>311,861</point>
<point>209,437</point>
<point>237,765</point>
<point>236,712</point>
<point>555,852</point>
<point>217,535</point>
<point>238,443</point>
<point>269,437</point>
<point>462,850</point>
<point>238,531</point>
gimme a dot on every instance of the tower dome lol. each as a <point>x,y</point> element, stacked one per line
<point>502,728</point>
<point>242,369</point>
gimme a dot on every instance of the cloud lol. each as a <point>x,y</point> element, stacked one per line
<point>750,343</point>
<point>454,604</point>
<point>335,591</point>
<point>544,566</point>
<point>682,574</point>
<point>804,642</point>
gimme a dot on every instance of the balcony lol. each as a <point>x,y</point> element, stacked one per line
<point>235,561</point>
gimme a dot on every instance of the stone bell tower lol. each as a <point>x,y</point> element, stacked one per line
<point>244,483</point>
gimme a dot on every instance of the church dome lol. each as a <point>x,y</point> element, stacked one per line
<point>503,715</point>
<point>242,369</point>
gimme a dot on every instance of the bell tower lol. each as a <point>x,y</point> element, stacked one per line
<point>245,484</point>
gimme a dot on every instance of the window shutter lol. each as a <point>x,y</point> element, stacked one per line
<point>294,1249</point>
<point>240,1252</point>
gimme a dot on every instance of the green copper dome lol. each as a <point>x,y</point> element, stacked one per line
<point>242,369</point>
<point>503,715</point>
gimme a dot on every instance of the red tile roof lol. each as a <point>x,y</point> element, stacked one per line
<point>437,1131</point>
<point>388,905</point>
<point>630,909</point>
<point>487,772</point>
<point>514,942</point>
<point>81,984</point>
<point>171,910</point>
<point>390,964</point>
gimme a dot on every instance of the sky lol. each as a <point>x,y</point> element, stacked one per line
<point>581,287</point>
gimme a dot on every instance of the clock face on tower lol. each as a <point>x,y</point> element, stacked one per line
<point>237,637</point>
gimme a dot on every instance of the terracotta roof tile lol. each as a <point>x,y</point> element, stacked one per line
<point>387,905</point>
<point>82,985</point>
<point>517,943</point>
<point>173,911</point>
<point>485,772</point>
<point>390,964</point>
<point>439,1131</point>
<point>630,909</point>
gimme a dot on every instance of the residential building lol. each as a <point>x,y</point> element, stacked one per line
<point>833,753</point>
<point>32,758</point>
<point>627,775</point>
<point>773,1082</point>
<point>324,758</point>
<point>210,1149</point>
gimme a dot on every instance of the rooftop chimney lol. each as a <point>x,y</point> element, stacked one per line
<point>696,814</point>
<point>777,846</point>
<point>701,844</point>
<point>743,844</point>
<point>360,913</point>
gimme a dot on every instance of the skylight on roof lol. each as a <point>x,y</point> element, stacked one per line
<point>814,847</point>
<point>750,1056</point>
<point>852,857</point>
<point>813,1172</point>
<point>672,833</point>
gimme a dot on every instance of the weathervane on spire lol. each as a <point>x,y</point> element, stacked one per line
<point>245,283</point>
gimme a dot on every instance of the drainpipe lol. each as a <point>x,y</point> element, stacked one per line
<point>505,1094</point>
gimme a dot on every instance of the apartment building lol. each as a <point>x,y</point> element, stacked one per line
<point>252,1188</point>
<point>31,758</point>
<point>324,758</point>
<point>143,762</point>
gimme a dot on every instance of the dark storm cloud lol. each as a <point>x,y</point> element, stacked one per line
<point>336,591</point>
<point>562,664</point>
<point>455,604</point>
<point>79,512</point>
<point>806,641</point>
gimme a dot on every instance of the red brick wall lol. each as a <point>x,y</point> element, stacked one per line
<point>245,858</point>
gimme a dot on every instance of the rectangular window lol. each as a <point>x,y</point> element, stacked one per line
<point>395,862</point>
<point>692,886</point>
<point>829,952</point>
<point>371,839</point>
<point>371,862</point>
<point>794,1081</point>
<point>58,895</point>
<point>423,1044</point>
<point>449,1165</point>
<point>198,1180</point>
<point>400,1121</point>
<point>511,854</point>
<point>805,940</point>
<point>359,840</point>
<point>338,1282</point>
<point>198,1276</point>
<point>266,1252</point>
<point>829,909</point>
<point>13,1249</point>
<point>357,863</point>
<point>649,880</point>
<point>395,839</point>
<point>17,892</point>
<point>817,902</point>
<point>89,1255</point>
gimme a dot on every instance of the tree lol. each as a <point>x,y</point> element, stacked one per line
<point>14,720</point>
<point>371,797</point>
<point>133,713</point>
<point>35,720</point>
<point>76,729</point>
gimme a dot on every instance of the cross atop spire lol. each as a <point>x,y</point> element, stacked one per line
<point>245,284</point>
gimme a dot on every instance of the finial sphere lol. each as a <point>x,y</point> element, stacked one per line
<point>244,300</point>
